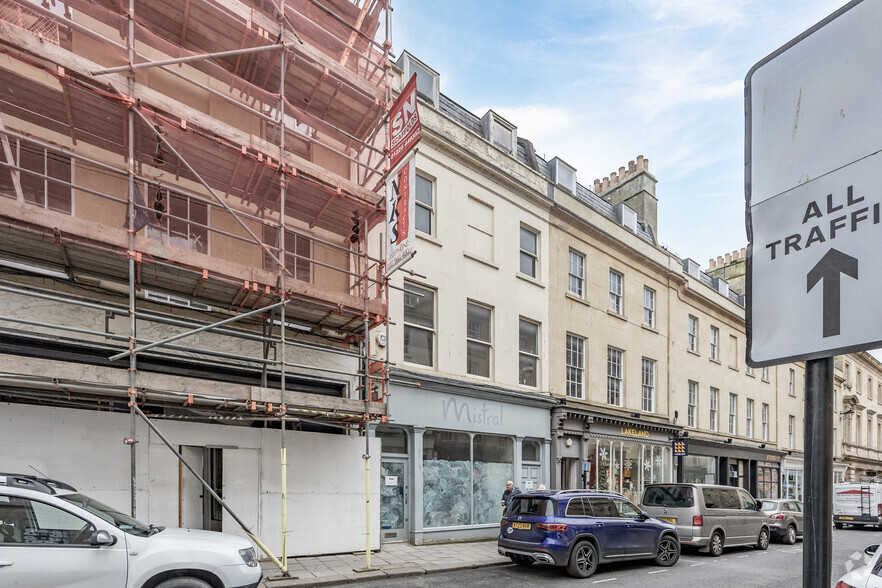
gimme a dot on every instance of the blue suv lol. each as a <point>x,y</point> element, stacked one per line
<point>580,529</point>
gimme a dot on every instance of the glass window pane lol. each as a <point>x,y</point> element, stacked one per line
<point>528,335</point>
<point>419,306</point>
<point>423,219</point>
<point>494,465</point>
<point>418,345</point>
<point>528,241</point>
<point>424,190</point>
<point>478,359</point>
<point>530,451</point>
<point>393,440</point>
<point>447,479</point>
<point>527,368</point>
<point>478,318</point>
<point>528,265</point>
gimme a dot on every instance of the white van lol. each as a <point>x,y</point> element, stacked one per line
<point>857,503</point>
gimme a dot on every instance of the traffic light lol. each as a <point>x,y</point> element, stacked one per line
<point>356,227</point>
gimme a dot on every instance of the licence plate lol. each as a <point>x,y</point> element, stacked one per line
<point>846,518</point>
<point>524,526</point>
<point>668,520</point>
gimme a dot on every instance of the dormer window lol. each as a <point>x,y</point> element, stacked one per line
<point>563,174</point>
<point>428,80</point>
<point>500,132</point>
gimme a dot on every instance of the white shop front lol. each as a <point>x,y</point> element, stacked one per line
<point>447,453</point>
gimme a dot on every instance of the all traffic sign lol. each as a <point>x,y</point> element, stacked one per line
<point>813,185</point>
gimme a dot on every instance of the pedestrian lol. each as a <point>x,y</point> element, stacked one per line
<point>510,489</point>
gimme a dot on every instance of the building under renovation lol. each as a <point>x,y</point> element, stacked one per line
<point>186,188</point>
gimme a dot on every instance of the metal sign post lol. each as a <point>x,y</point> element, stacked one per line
<point>817,548</point>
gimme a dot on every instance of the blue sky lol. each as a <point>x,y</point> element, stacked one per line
<point>599,82</point>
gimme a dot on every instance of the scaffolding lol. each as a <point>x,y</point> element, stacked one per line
<point>224,157</point>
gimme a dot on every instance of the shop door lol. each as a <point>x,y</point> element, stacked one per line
<point>393,500</point>
<point>529,476</point>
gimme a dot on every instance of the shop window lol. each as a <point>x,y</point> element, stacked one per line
<point>419,325</point>
<point>699,469</point>
<point>452,481</point>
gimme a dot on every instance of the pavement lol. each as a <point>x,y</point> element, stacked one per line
<point>394,560</point>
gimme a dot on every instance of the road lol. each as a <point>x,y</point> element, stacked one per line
<point>779,566</point>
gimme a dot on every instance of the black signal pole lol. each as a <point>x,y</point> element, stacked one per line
<point>817,553</point>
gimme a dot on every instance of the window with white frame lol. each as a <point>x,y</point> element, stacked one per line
<point>529,252</point>
<point>183,220</point>
<point>733,414</point>
<point>765,422</point>
<point>528,357</point>
<point>419,324</point>
<point>576,283</point>
<point>765,374</point>
<point>649,307</point>
<point>857,381</point>
<point>424,212</point>
<point>298,252</point>
<point>647,393</point>
<point>714,343</point>
<point>44,192</point>
<point>616,292</point>
<point>749,416</point>
<point>479,342</point>
<point>693,333</point>
<point>791,430</point>
<point>614,376</point>
<point>714,409</point>
<point>792,383</point>
<point>749,371</point>
<point>575,366</point>
<point>869,387</point>
<point>692,410</point>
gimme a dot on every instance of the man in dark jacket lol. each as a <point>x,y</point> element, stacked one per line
<point>506,496</point>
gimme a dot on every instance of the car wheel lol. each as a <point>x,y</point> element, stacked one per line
<point>762,542</point>
<point>716,544</point>
<point>521,561</point>
<point>668,551</point>
<point>790,535</point>
<point>837,525</point>
<point>186,582</point>
<point>583,560</point>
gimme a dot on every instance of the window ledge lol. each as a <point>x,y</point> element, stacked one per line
<point>574,298</point>
<point>529,279</point>
<point>693,352</point>
<point>750,375</point>
<point>650,329</point>
<point>716,361</point>
<point>621,317</point>
<point>734,368</point>
<point>479,259</point>
<point>429,238</point>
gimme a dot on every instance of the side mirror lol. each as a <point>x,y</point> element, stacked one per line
<point>871,549</point>
<point>101,538</point>
<point>644,515</point>
<point>759,505</point>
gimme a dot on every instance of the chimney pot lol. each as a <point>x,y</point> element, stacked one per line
<point>719,260</point>
<point>711,263</point>
<point>597,185</point>
<point>632,167</point>
<point>639,162</point>
<point>613,178</point>
<point>743,252</point>
<point>646,163</point>
<point>728,258</point>
<point>622,171</point>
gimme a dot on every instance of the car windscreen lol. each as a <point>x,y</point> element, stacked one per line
<point>122,521</point>
<point>769,506</point>
<point>668,496</point>
<point>531,505</point>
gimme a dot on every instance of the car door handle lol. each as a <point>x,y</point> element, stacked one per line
<point>4,564</point>
<point>599,524</point>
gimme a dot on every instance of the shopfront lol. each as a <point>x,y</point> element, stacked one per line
<point>452,448</point>
<point>596,451</point>
<point>757,470</point>
<point>793,477</point>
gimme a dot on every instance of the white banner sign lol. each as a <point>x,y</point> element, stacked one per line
<point>400,187</point>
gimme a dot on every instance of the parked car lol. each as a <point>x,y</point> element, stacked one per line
<point>868,576</point>
<point>784,518</point>
<point>581,529</point>
<point>53,537</point>
<point>708,516</point>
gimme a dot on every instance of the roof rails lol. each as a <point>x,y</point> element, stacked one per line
<point>45,485</point>
<point>591,491</point>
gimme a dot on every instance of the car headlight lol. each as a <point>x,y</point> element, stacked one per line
<point>249,556</point>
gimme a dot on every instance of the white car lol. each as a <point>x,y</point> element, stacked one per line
<point>53,537</point>
<point>869,576</point>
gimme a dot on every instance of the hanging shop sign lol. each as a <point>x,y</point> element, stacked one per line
<point>404,123</point>
<point>680,447</point>
<point>400,186</point>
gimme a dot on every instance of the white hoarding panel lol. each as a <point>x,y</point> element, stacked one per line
<point>813,183</point>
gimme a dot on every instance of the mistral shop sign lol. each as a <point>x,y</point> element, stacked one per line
<point>404,134</point>
<point>813,185</point>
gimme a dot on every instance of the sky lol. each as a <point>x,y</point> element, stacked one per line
<point>599,82</point>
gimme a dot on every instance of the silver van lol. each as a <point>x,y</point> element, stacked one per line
<point>707,516</point>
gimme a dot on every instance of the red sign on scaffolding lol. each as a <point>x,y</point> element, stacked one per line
<point>400,214</point>
<point>404,123</point>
